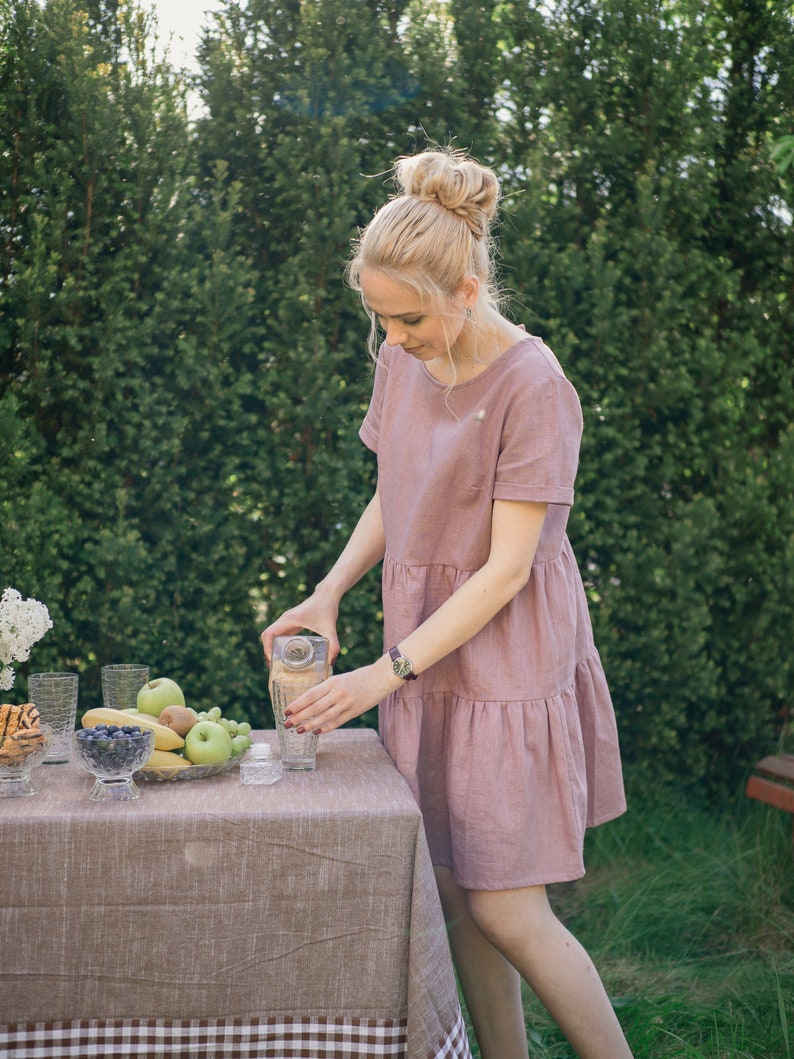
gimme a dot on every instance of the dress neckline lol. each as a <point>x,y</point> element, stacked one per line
<point>489,369</point>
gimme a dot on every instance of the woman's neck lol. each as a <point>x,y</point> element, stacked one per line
<point>483,340</point>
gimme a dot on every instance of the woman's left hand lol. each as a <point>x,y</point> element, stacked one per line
<point>340,698</point>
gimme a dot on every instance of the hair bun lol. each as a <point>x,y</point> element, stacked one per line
<point>454,181</point>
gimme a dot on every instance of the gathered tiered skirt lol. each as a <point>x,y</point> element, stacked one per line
<point>507,785</point>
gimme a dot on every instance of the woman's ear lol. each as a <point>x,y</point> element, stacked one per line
<point>469,291</point>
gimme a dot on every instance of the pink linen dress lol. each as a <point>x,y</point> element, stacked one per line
<point>509,744</point>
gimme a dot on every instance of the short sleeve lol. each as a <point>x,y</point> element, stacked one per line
<point>539,448</point>
<point>369,432</point>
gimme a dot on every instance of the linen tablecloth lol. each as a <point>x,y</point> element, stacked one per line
<point>210,918</point>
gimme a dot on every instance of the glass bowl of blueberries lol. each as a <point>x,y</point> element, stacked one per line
<point>112,753</point>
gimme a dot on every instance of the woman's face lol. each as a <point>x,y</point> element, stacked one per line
<point>425,332</point>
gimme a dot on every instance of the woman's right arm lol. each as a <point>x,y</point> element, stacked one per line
<point>319,612</point>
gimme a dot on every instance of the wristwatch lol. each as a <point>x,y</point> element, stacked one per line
<point>401,665</point>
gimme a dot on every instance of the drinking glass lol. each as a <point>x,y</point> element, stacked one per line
<point>55,696</point>
<point>298,752</point>
<point>121,684</point>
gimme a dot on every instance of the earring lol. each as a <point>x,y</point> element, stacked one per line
<point>468,314</point>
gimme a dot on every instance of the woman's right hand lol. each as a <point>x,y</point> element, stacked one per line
<point>316,614</point>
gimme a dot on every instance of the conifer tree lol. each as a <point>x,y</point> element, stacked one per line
<point>119,329</point>
<point>645,235</point>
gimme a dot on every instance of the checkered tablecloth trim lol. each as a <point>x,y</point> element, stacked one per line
<point>267,1038</point>
<point>456,1043</point>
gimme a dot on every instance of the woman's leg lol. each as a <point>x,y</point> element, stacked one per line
<point>522,926</point>
<point>491,986</point>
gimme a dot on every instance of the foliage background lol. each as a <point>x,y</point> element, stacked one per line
<point>182,372</point>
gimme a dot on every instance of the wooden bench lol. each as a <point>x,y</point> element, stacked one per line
<point>772,782</point>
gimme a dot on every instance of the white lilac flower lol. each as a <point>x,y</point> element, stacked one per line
<point>22,623</point>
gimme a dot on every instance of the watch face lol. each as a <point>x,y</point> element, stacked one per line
<point>402,667</point>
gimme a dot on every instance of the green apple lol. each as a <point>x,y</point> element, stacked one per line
<point>157,694</point>
<point>208,743</point>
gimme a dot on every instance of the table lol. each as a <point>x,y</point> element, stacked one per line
<point>209,918</point>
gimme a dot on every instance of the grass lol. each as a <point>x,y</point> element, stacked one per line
<point>688,912</point>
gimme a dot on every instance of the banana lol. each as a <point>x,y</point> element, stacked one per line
<point>135,714</point>
<point>164,738</point>
<point>166,759</point>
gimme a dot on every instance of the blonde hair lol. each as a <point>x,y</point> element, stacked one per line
<point>434,232</point>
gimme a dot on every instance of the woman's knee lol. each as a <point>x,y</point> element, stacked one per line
<point>503,916</point>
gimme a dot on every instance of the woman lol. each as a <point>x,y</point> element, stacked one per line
<point>493,701</point>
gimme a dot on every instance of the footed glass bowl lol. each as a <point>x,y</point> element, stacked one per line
<point>19,754</point>
<point>165,774</point>
<point>111,754</point>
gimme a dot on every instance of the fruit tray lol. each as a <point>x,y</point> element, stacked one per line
<point>192,772</point>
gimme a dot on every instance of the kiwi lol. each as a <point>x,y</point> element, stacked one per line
<point>178,718</point>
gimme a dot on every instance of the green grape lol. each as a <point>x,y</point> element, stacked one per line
<point>244,728</point>
<point>215,713</point>
<point>241,743</point>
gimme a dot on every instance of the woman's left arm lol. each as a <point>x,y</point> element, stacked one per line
<point>515,531</point>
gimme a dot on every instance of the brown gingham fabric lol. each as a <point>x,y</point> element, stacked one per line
<point>307,1038</point>
<point>213,919</point>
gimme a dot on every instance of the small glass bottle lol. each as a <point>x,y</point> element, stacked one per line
<point>260,766</point>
